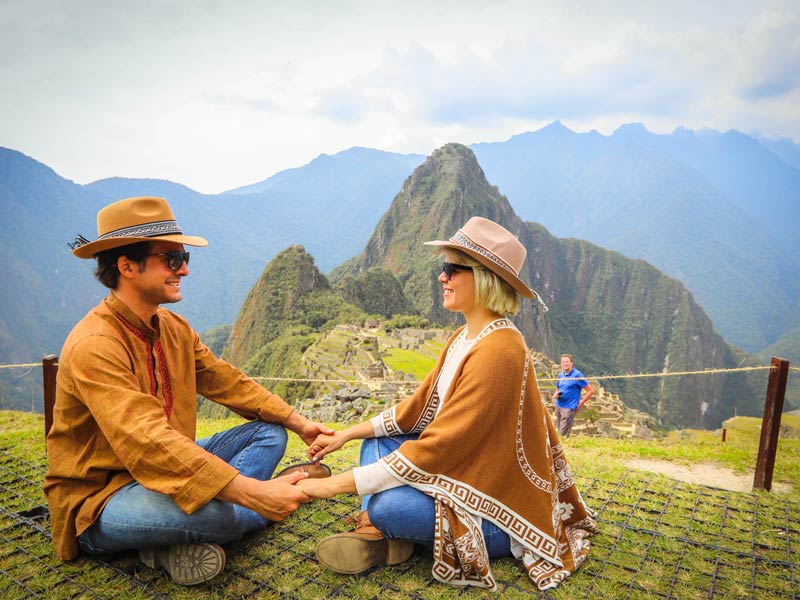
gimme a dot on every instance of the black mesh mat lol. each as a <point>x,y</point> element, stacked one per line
<point>681,541</point>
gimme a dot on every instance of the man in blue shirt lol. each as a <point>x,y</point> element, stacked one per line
<point>568,395</point>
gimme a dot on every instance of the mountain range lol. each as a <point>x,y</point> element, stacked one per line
<point>613,313</point>
<point>717,211</point>
<point>332,204</point>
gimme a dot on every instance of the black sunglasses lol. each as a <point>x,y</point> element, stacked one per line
<point>175,258</point>
<point>448,268</point>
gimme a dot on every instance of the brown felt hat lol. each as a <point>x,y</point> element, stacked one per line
<point>142,219</point>
<point>495,247</point>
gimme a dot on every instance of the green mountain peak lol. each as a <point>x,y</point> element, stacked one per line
<point>290,293</point>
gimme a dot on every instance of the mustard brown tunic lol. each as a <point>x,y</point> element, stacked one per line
<point>126,408</point>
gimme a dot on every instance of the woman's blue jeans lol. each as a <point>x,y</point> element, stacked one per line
<point>406,513</point>
<point>136,518</point>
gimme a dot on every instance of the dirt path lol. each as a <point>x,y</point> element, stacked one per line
<point>704,474</point>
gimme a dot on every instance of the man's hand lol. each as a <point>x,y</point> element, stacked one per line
<point>307,430</point>
<point>275,499</point>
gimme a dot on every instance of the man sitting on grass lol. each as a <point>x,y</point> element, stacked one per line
<point>124,470</point>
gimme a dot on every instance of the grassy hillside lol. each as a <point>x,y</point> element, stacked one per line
<point>659,537</point>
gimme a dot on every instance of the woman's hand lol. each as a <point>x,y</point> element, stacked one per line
<point>325,444</point>
<point>330,440</point>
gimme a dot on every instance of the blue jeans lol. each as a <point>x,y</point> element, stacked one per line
<point>136,517</point>
<point>408,514</point>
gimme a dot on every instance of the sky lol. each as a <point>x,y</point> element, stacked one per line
<point>220,94</point>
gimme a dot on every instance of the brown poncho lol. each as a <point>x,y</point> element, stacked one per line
<point>491,453</point>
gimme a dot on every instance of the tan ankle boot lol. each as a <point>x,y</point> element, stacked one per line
<point>361,549</point>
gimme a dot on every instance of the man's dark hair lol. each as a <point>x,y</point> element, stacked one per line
<point>107,272</point>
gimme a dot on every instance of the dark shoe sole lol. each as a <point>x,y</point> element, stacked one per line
<point>187,564</point>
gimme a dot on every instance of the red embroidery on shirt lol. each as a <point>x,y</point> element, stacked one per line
<point>162,366</point>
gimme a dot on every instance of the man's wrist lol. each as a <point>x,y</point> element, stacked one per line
<point>295,421</point>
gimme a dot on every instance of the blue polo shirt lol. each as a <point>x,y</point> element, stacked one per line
<point>570,395</point>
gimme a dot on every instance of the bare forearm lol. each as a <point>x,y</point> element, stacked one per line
<point>343,483</point>
<point>235,491</point>
<point>296,422</point>
<point>589,393</point>
<point>362,431</point>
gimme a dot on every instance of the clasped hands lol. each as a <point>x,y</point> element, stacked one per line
<point>327,487</point>
<point>276,499</point>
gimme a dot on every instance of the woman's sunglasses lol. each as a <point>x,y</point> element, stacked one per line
<point>175,259</point>
<point>448,268</point>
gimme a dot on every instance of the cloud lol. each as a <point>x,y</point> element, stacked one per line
<point>235,102</point>
<point>769,53</point>
<point>86,86</point>
<point>599,66</point>
<point>342,104</point>
<point>533,79</point>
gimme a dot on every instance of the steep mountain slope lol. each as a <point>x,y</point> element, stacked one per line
<point>783,148</point>
<point>717,211</point>
<point>439,197</point>
<point>614,314</point>
<point>289,304</point>
<point>376,291</point>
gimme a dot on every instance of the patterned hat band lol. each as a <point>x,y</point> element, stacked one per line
<point>155,229</point>
<point>134,220</point>
<point>462,240</point>
<point>495,247</point>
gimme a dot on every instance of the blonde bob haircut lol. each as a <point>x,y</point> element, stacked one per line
<point>491,290</point>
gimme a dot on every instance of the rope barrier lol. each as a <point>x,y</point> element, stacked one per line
<point>308,380</point>
<point>547,379</point>
<point>667,374</point>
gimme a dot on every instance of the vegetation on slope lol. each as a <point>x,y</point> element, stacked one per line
<point>284,313</point>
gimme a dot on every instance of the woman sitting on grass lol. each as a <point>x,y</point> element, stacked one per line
<point>470,463</point>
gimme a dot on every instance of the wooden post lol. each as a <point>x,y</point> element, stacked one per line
<point>49,370</point>
<point>724,433</point>
<point>771,424</point>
